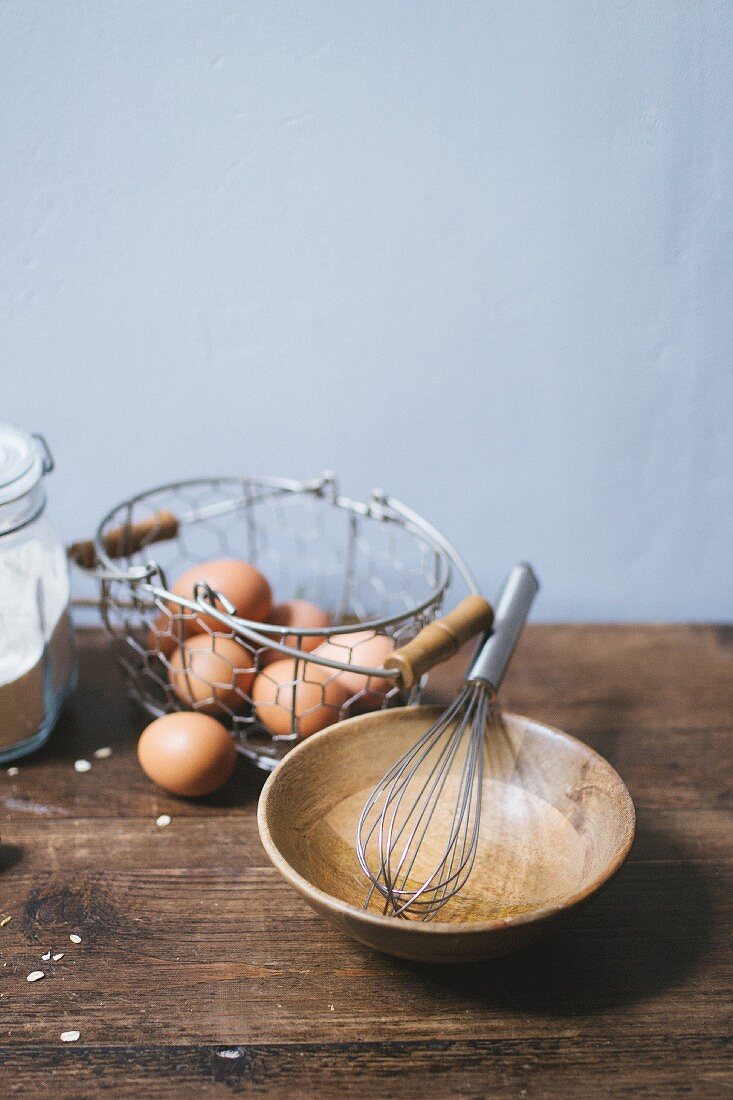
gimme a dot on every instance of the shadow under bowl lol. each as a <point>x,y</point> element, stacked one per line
<point>557,822</point>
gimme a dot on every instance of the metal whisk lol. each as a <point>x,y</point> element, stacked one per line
<point>431,798</point>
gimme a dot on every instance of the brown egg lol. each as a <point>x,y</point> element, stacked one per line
<point>318,697</point>
<point>187,754</point>
<point>166,632</point>
<point>296,613</point>
<point>211,672</point>
<point>363,647</point>
<point>242,584</point>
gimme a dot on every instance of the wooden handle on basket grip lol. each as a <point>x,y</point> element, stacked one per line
<point>127,538</point>
<point>440,639</point>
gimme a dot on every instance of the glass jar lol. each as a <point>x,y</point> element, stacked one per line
<point>37,667</point>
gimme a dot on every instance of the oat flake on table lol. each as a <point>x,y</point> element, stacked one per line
<point>69,1036</point>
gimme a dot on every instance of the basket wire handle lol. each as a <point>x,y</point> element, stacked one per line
<point>126,539</point>
<point>440,639</point>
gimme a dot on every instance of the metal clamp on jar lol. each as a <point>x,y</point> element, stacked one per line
<point>36,646</point>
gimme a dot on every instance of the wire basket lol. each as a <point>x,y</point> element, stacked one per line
<point>378,569</point>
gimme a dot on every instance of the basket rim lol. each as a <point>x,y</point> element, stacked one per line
<point>378,507</point>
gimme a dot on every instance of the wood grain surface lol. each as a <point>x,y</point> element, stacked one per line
<point>192,946</point>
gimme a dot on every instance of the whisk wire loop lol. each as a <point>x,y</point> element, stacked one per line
<point>442,771</point>
<point>421,775</point>
<point>431,798</point>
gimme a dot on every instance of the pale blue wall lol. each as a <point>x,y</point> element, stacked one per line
<point>477,253</point>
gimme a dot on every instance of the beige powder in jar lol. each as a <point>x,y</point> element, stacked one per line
<point>35,636</point>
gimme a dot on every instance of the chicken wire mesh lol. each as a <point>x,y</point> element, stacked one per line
<point>378,570</point>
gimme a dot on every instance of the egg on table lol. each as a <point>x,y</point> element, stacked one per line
<point>187,754</point>
<point>293,695</point>
<point>211,672</point>
<point>244,586</point>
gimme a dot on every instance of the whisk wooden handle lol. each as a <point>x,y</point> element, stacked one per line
<point>440,639</point>
<point>127,538</point>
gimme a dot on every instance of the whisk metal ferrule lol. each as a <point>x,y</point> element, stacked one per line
<point>510,616</point>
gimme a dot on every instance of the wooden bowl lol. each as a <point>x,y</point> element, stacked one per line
<point>557,822</point>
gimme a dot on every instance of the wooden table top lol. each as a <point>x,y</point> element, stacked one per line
<point>192,946</point>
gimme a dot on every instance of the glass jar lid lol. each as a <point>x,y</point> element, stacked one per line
<point>22,463</point>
